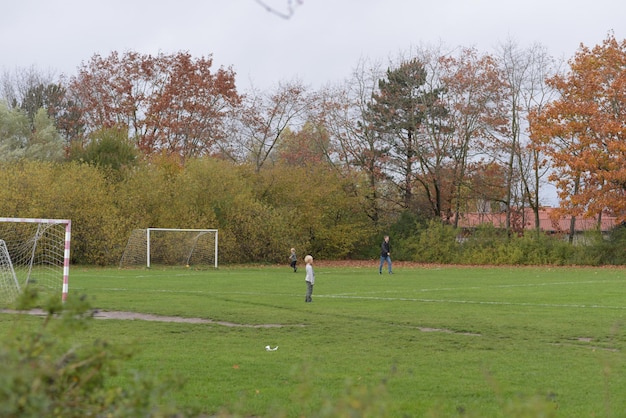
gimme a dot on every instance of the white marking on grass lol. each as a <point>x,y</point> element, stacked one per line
<point>474,302</point>
<point>504,286</point>
<point>142,276</point>
<point>121,289</point>
<point>363,295</point>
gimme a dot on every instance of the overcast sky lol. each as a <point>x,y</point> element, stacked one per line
<point>321,42</point>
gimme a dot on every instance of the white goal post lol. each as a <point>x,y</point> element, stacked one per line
<point>171,246</point>
<point>34,251</point>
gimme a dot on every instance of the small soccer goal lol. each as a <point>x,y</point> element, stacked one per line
<point>171,247</point>
<point>34,252</point>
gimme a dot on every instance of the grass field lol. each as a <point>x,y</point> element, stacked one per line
<point>426,341</point>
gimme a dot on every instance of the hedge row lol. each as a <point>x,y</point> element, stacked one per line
<point>259,215</point>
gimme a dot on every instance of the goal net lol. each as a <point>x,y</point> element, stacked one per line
<point>171,247</point>
<point>34,252</point>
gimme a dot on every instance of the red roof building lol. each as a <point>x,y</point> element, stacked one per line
<point>549,221</point>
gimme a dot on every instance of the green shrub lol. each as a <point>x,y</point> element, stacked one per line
<point>260,215</point>
<point>487,245</point>
<point>66,191</point>
<point>436,243</point>
<point>537,248</point>
<point>610,249</point>
<point>109,149</point>
<point>46,372</point>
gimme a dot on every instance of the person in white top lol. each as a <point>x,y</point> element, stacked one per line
<point>310,278</point>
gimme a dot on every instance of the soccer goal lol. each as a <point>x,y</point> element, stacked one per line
<point>171,247</point>
<point>34,252</point>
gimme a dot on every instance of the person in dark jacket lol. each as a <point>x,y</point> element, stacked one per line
<point>385,255</point>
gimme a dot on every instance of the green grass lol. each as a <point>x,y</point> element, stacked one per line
<point>432,341</point>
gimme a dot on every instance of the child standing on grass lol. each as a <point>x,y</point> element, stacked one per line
<point>310,278</point>
<point>293,260</point>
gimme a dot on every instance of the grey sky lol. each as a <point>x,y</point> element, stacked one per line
<point>322,42</point>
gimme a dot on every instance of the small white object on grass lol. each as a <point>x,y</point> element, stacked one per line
<point>268,348</point>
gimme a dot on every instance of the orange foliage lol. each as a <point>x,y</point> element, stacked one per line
<point>170,103</point>
<point>584,131</point>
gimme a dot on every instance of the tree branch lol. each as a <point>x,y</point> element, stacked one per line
<point>291,7</point>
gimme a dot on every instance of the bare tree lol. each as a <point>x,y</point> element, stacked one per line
<point>359,149</point>
<point>535,96</point>
<point>15,85</point>
<point>473,102</point>
<point>263,117</point>
<point>524,72</point>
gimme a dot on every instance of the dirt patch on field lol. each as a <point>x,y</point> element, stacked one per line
<point>136,316</point>
<point>447,331</point>
<point>121,315</point>
<point>162,318</point>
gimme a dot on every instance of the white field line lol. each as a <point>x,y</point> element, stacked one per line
<point>144,276</point>
<point>361,295</point>
<point>506,286</point>
<point>391,299</point>
<point>473,302</point>
<point>208,292</point>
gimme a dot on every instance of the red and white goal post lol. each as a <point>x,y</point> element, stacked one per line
<point>34,252</point>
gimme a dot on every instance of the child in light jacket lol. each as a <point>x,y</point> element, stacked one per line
<point>309,278</point>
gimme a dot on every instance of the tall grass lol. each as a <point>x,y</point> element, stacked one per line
<point>426,341</point>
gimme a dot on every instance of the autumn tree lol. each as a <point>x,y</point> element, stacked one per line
<point>473,97</point>
<point>170,103</point>
<point>583,132</point>
<point>308,146</point>
<point>485,180</point>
